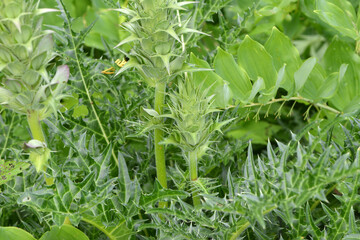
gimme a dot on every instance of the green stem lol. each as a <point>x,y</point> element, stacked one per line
<point>35,126</point>
<point>194,175</point>
<point>357,50</point>
<point>159,137</point>
<point>324,106</point>
<point>34,122</point>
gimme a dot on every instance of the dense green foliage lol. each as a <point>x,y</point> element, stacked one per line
<point>226,119</point>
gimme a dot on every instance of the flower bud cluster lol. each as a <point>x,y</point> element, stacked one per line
<point>191,109</point>
<point>25,51</point>
<point>155,31</point>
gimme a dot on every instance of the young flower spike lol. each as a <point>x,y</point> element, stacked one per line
<point>25,86</point>
<point>25,51</point>
<point>191,109</point>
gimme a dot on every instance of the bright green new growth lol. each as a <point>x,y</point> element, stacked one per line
<point>191,109</point>
<point>25,51</point>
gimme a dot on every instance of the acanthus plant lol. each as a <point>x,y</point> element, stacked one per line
<point>26,87</point>
<point>156,31</point>
<point>191,109</point>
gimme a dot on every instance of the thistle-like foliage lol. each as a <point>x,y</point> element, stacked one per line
<point>25,51</point>
<point>191,108</point>
<point>155,30</point>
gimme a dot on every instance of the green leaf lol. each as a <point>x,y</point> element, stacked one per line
<point>118,232</point>
<point>257,62</point>
<point>14,233</point>
<point>160,193</point>
<point>314,229</point>
<point>348,93</point>
<point>126,11</point>
<point>332,83</point>
<point>259,132</point>
<point>303,73</point>
<point>211,81</point>
<point>80,111</point>
<point>352,222</point>
<point>65,232</point>
<point>124,180</point>
<point>62,75</point>
<point>286,54</point>
<point>352,237</point>
<point>151,112</point>
<point>257,87</point>
<point>226,67</point>
<point>339,14</point>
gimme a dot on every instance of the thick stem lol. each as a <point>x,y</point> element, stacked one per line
<point>159,137</point>
<point>357,50</point>
<point>193,175</point>
<point>35,126</point>
<point>34,122</point>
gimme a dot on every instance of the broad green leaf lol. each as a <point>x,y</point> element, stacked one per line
<point>118,232</point>
<point>339,14</point>
<point>259,132</point>
<point>210,80</point>
<point>226,67</point>
<point>303,73</point>
<point>65,232</point>
<point>331,83</point>
<point>14,233</point>
<point>80,111</point>
<point>266,97</point>
<point>286,54</point>
<point>314,83</point>
<point>339,53</point>
<point>257,62</point>
<point>308,7</point>
<point>257,87</point>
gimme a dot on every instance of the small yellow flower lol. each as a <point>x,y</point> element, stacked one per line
<point>111,70</point>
